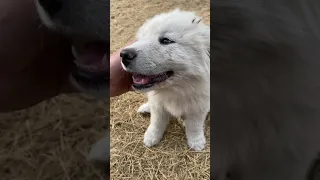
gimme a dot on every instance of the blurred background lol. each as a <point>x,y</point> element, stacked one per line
<point>51,140</point>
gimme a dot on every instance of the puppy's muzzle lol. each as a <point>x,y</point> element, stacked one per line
<point>127,56</point>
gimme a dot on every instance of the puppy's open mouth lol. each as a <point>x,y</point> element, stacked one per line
<point>146,81</point>
<point>92,63</point>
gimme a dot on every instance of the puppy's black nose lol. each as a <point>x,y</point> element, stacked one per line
<point>127,55</point>
<point>51,6</point>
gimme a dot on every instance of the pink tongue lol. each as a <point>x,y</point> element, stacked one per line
<point>139,79</point>
<point>90,58</point>
<point>91,54</point>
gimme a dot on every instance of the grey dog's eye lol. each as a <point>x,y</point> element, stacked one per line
<point>165,41</point>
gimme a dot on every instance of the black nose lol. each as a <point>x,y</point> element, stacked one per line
<point>51,6</point>
<point>127,55</point>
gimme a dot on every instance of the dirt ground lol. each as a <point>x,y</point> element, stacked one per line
<point>51,140</point>
<point>171,159</point>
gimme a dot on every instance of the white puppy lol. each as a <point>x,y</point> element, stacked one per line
<point>170,61</point>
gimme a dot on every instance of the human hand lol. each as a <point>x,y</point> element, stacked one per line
<point>120,80</point>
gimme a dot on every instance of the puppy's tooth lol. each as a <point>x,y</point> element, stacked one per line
<point>74,52</point>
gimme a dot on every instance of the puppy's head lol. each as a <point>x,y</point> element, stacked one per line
<point>86,23</point>
<point>171,49</point>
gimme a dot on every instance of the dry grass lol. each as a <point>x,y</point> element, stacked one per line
<point>130,159</point>
<point>51,140</point>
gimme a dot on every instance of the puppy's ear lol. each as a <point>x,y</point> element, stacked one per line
<point>207,40</point>
<point>205,34</point>
<point>196,20</point>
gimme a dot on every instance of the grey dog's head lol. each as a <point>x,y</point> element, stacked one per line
<point>86,23</point>
<point>171,49</point>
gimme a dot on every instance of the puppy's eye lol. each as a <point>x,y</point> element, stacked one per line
<point>165,41</point>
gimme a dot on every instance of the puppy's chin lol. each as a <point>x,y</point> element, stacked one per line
<point>99,91</point>
<point>147,89</point>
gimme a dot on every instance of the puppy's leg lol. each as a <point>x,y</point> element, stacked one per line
<point>159,121</point>
<point>194,124</point>
<point>144,109</point>
<point>99,155</point>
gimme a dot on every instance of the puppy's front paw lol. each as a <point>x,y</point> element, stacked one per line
<point>197,143</point>
<point>144,109</point>
<point>152,137</point>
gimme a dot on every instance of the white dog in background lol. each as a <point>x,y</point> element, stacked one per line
<point>170,61</point>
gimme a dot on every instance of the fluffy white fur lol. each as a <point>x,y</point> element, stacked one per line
<point>186,94</point>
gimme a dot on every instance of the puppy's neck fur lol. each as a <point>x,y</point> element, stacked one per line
<point>177,99</point>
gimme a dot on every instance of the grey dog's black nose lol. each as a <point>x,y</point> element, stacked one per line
<point>127,55</point>
<point>51,6</point>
